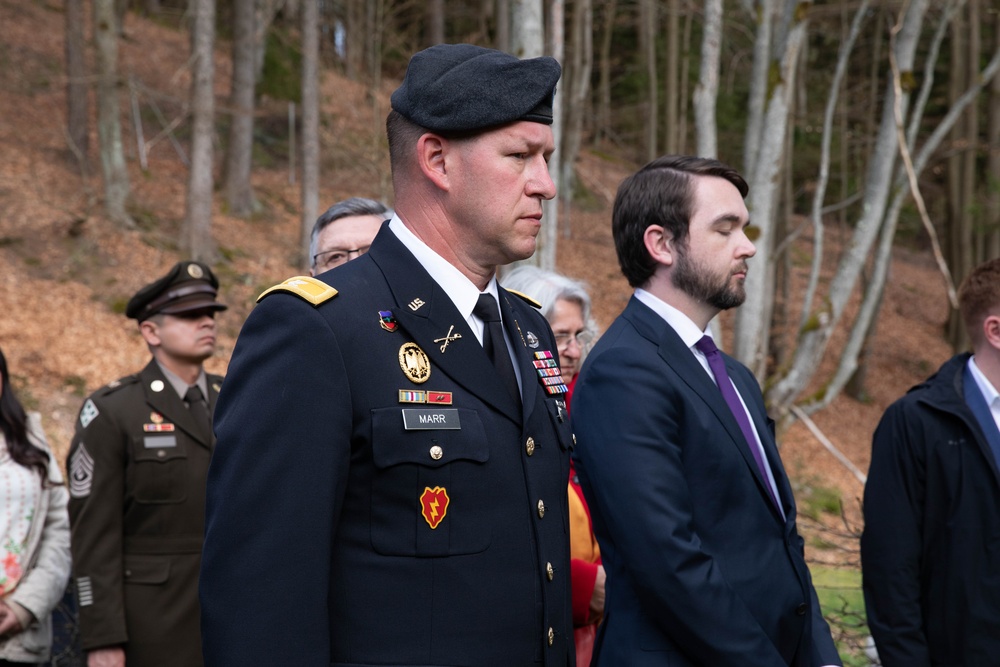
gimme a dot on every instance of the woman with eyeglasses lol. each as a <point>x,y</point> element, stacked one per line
<point>566,306</point>
<point>34,533</point>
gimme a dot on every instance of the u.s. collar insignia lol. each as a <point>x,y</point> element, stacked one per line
<point>414,363</point>
<point>532,339</point>
<point>387,320</point>
<point>416,304</point>
<point>434,505</point>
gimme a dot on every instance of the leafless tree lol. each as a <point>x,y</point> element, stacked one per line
<point>239,149</point>
<point>310,123</point>
<point>109,131</point>
<point>77,107</point>
<point>197,233</point>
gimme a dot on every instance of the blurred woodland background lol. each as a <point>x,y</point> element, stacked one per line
<point>137,132</point>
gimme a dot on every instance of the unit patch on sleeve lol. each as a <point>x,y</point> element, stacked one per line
<point>88,413</point>
<point>81,472</point>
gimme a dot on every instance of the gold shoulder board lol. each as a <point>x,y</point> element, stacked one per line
<point>536,304</point>
<point>312,290</point>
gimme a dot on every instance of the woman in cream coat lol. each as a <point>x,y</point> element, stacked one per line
<point>34,533</point>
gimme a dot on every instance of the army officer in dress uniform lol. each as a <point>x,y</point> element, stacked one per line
<point>389,485</point>
<point>137,466</point>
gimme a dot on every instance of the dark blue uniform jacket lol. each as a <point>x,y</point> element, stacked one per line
<point>320,548</point>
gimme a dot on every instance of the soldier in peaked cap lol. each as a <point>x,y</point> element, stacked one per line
<point>137,467</point>
<point>407,481</point>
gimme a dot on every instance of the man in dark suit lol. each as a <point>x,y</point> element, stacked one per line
<point>137,471</point>
<point>930,551</point>
<point>676,455</point>
<point>390,481</point>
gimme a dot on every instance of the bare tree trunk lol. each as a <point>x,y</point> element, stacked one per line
<point>77,107</point>
<point>435,22</point>
<point>527,30</point>
<point>264,13</point>
<point>993,157</point>
<point>603,126</point>
<point>814,337</point>
<point>239,151</point>
<point>581,65</point>
<point>754,315</point>
<point>647,47</point>
<point>503,25</point>
<point>197,234</point>
<point>310,123</point>
<point>109,131</point>
<point>961,179</point>
<point>355,38</point>
<point>671,93</point>
<point>706,93</point>
<point>550,209</point>
<point>758,83</point>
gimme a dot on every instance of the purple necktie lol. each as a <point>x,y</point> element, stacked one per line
<point>718,366</point>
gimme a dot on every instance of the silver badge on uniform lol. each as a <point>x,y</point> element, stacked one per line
<point>88,413</point>
<point>532,339</point>
<point>81,472</point>
<point>156,385</point>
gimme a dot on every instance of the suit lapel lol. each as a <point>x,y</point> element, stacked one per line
<point>760,422</point>
<point>425,312</point>
<point>169,404</point>
<point>679,357</point>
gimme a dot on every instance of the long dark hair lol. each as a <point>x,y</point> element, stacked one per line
<point>14,424</point>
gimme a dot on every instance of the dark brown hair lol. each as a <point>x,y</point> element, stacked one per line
<point>659,194</point>
<point>979,297</point>
<point>14,424</point>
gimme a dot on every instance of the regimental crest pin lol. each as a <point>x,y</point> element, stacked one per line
<point>414,363</point>
<point>387,320</point>
<point>434,505</point>
<point>532,340</point>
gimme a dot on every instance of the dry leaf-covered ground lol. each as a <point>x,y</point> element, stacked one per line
<point>67,272</point>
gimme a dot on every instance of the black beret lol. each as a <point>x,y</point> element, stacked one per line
<point>187,287</point>
<point>463,88</point>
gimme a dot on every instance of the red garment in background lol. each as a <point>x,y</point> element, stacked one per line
<point>585,556</point>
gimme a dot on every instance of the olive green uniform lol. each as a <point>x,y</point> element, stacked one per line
<point>137,468</point>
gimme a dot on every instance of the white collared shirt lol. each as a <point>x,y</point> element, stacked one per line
<point>690,334</point>
<point>462,292</point>
<point>987,389</point>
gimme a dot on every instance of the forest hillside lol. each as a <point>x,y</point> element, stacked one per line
<point>66,272</point>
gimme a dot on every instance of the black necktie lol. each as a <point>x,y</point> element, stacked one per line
<point>196,406</point>
<point>493,342</point>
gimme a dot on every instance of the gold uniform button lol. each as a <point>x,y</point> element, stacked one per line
<point>160,453</point>
<point>552,636</point>
<point>549,571</point>
<point>436,452</point>
<point>529,446</point>
<point>541,509</point>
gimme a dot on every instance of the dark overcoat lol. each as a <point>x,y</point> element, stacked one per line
<point>703,570</point>
<point>930,550</point>
<point>137,471</point>
<point>367,505</point>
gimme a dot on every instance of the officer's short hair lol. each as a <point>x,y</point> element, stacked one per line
<point>659,194</point>
<point>979,297</point>
<point>344,209</point>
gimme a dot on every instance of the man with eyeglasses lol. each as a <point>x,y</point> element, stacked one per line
<point>344,232</point>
